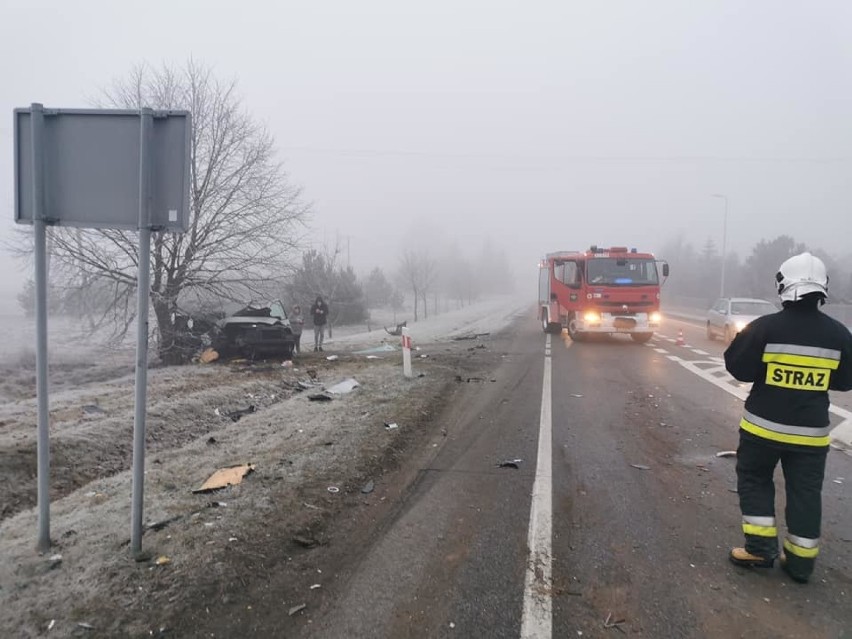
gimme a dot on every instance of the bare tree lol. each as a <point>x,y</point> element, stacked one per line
<point>244,215</point>
<point>418,270</point>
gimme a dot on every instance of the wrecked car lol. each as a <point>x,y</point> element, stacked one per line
<point>255,332</point>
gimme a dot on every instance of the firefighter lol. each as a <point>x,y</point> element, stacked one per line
<point>793,357</point>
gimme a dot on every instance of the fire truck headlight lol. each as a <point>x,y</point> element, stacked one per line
<point>592,317</point>
<point>656,317</point>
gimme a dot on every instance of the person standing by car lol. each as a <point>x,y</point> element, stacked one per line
<point>793,357</point>
<point>319,313</point>
<point>297,323</point>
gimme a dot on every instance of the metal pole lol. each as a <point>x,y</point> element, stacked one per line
<point>143,285</point>
<point>724,246</point>
<point>40,254</point>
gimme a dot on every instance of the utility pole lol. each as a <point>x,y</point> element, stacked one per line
<point>724,243</point>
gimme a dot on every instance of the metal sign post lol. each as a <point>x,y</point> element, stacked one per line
<point>40,253</point>
<point>99,169</point>
<point>143,284</point>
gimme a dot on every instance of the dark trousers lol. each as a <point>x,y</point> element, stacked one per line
<point>803,477</point>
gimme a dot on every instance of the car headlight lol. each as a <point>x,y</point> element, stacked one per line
<point>740,325</point>
<point>593,317</point>
<point>655,318</point>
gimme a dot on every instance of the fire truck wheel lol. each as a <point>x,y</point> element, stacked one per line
<point>575,335</point>
<point>641,338</point>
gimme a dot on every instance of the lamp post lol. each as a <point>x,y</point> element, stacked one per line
<point>724,243</point>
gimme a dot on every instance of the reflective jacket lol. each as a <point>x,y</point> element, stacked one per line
<point>793,357</point>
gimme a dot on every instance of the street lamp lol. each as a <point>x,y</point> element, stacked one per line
<point>724,243</point>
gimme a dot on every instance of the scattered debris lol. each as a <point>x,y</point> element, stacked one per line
<point>726,453</point>
<point>162,560</point>
<point>216,504</point>
<point>51,624</point>
<point>368,487</point>
<point>93,409</point>
<point>296,609</point>
<point>397,331</point>
<point>391,425</point>
<point>159,525</point>
<point>344,387</point>
<point>225,477</point>
<point>319,397</point>
<point>332,358</point>
<point>462,338</point>
<point>305,542</point>
<point>54,560</point>
<point>237,415</point>
<point>384,348</point>
<point>732,490</point>
<point>212,440</point>
<point>839,480</point>
<point>574,395</point>
<point>287,363</point>
<point>611,623</point>
<point>315,586</point>
<point>333,489</point>
<point>452,625</point>
<point>510,463</point>
<point>312,373</point>
<point>311,506</point>
<point>208,356</point>
<point>641,466</point>
<point>85,626</point>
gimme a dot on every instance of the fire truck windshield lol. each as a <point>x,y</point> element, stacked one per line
<point>622,272</point>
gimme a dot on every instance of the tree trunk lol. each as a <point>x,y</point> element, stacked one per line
<point>167,336</point>
<point>416,301</point>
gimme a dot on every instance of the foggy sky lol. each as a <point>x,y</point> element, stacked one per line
<point>542,125</point>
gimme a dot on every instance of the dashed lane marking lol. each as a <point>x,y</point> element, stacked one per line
<point>698,351</point>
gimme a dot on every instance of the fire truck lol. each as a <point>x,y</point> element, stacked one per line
<point>602,290</point>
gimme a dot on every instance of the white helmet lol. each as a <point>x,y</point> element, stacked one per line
<point>800,275</point>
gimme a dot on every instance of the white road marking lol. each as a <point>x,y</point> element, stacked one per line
<point>674,358</point>
<point>661,350</point>
<point>537,620</point>
<point>698,351</point>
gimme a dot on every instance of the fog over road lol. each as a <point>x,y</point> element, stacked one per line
<point>643,512</point>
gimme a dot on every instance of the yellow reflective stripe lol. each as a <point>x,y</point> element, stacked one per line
<point>784,438</point>
<point>807,553</point>
<point>760,531</point>
<point>801,360</point>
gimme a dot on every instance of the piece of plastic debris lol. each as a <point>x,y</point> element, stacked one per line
<point>51,624</point>
<point>93,409</point>
<point>162,560</point>
<point>208,356</point>
<point>344,387</point>
<point>452,625</point>
<point>315,586</point>
<point>86,626</point>
<point>224,477</point>
<point>332,358</point>
<point>296,609</point>
<point>232,539</point>
<point>391,425</point>
<point>372,357</point>
<point>510,463</point>
<point>641,466</point>
<point>726,453</point>
<point>320,397</point>
<point>837,481</point>
<point>216,412</point>
<point>237,415</point>
<point>333,489</point>
<point>55,559</point>
<point>368,487</point>
<point>287,363</point>
<point>575,395</point>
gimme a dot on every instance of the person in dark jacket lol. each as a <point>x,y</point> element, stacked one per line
<point>793,358</point>
<point>319,313</point>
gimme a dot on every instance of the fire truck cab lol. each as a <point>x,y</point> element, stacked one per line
<point>602,290</point>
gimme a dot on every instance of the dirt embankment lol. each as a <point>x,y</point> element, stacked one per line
<point>239,559</point>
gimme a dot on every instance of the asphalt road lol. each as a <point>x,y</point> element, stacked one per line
<point>638,527</point>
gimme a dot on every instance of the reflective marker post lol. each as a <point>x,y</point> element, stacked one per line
<point>40,254</point>
<point>406,353</point>
<point>143,284</point>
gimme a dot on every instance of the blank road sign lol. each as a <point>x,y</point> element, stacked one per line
<point>91,168</point>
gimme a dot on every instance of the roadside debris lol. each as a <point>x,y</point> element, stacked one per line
<point>384,348</point>
<point>237,415</point>
<point>574,395</point>
<point>162,560</point>
<point>319,397</point>
<point>397,331</point>
<point>159,525</point>
<point>344,387</point>
<point>333,490</point>
<point>510,463</point>
<point>296,609</point>
<point>315,586</point>
<point>208,356</point>
<point>391,425</point>
<point>51,624</point>
<point>287,363</point>
<point>839,480</point>
<point>85,626</point>
<point>55,560</point>
<point>212,440</point>
<point>641,466</point>
<point>462,338</point>
<point>612,623</point>
<point>225,477</point>
<point>332,358</point>
<point>726,453</point>
<point>305,542</point>
<point>368,487</point>
<point>93,409</point>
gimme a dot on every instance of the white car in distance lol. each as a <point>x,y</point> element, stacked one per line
<point>730,315</point>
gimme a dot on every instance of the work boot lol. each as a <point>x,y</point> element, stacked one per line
<point>320,349</point>
<point>785,566</point>
<point>742,557</point>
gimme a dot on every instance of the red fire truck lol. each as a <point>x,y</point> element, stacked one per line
<point>602,290</point>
